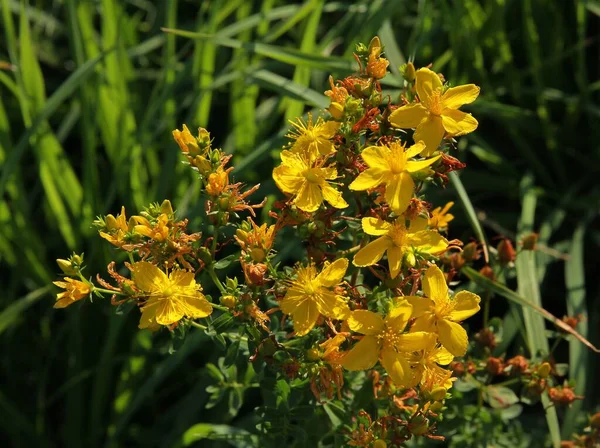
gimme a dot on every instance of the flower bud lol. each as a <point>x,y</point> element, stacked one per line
<point>255,274</point>
<point>488,272</point>
<point>543,370</point>
<point>408,72</point>
<point>66,266</point>
<point>470,252</point>
<point>410,259</point>
<point>595,421</point>
<point>204,139</point>
<point>506,252</point>
<point>529,241</point>
<point>438,394</point>
<point>436,407</point>
<point>229,301</point>
<point>495,366</point>
<point>313,354</point>
<point>166,207</point>
<point>518,364</point>
<point>379,443</point>
<point>336,110</point>
<point>418,425</point>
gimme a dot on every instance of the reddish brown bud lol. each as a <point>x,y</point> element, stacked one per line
<point>529,241</point>
<point>488,272</point>
<point>495,366</point>
<point>255,274</point>
<point>564,396</point>
<point>506,252</point>
<point>486,338</point>
<point>595,421</point>
<point>458,368</point>
<point>518,364</point>
<point>471,252</point>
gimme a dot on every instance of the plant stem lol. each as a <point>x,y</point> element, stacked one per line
<point>215,279</point>
<point>197,325</point>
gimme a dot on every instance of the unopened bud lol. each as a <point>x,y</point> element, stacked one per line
<point>66,266</point>
<point>336,110</point>
<point>255,274</point>
<point>488,272</point>
<point>438,394</point>
<point>470,252</point>
<point>529,241</point>
<point>506,252</point>
<point>229,301</point>
<point>408,72</point>
<point>166,207</point>
<point>313,354</point>
<point>418,425</point>
<point>410,259</point>
<point>595,421</point>
<point>379,443</point>
<point>543,371</point>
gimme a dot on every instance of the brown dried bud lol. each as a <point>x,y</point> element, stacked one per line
<point>486,338</point>
<point>458,368</point>
<point>529,241</point>
<point>495,366</point>
<point>471,367</point>
<point>518,364</point>
<point>595,421</point>
<point>564,396</point>
<point>506,252</point>
<point>255,274</point>
<point>471,252</point>
<point>488,272</point>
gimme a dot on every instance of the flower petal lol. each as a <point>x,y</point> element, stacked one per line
<point>414,150</point>
<point>412,166</point>
<point>399,192</point>
<point>434,285</point>
<point>196,306</point>
<point>309,197</point>
<point>332,305</point>
<point>455,97</point>
<point>368,179</point>
<point>456,122</point>
<point>363,355</point>
<point>408,116</point>
<point>375,226</point>
<point>424,323</point>
<point>430,131</point>
<point>365,322</point>
<point>466,304</point>
<point>418,224</point>
<point>414,341</point>
<point>441,356</point>
<point>147,320</point>
<point>427,83</point>
<point>148,277</point>
<point>168,312</point>
<point>372,252</point>
<point>428,241</point>
<point>453,337</point>
<point>376,157</point>
<point>305,316</point>
<point>333,273</point>
<point>287,179</point>
<point>321,146</point>
<point>327,129</point>
<point>420,305</point>
<point>397,367</point>
<point>399,315</point>
<point>183,278</point>
<point>333,196</point>
<point>395,260</point>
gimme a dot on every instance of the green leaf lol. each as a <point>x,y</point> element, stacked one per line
<point>11,314</point>
<point>500,397</point>
<point>208,431</point>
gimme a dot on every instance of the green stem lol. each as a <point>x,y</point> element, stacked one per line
<point>220,307</point>
<point>108,291</point>
<point>197,325</point>
<point>213,248</point>
<point>216,280</point>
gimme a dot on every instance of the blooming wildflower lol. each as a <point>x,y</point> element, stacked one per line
<point>301,176</point>
<point>438,313</point>
<point>384,340</point>
<point>186,141</point>
<point>159,231</point>
<point>116,228</point>
<point>337,95</point>
<point>396,240</point>
<point>310,295</point>
<point>437,112</point>
<point>440,217</point>
<point>389,165</point>
<point>426,365</point>
<point>313,139</point>
<point>170,297</point>
<point>257,242</point>
<point>376,65</point>
<point>217,182</point>
<point>74,290</point>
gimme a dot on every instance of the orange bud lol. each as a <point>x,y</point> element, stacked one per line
<point>506,252</point>
<point>529,241</point>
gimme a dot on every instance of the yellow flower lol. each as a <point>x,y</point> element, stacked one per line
<point>426,366</point>
<point>440,217</point>
<point>158,232</point>
<point>440,314</point>
<point>186,141</point>
<point>389,165</point>
<point>396,240</point>
<point>437,112</point>
<point>257,242</point>
<point>217,182</point>
<point>313,139</point>
<point>116,228</point>
<point>302,176</point>
<point>310,295</point>
<point>384,340</point>
<point>337,95</point>
<point>74,290</point>
<point>376,65</point>
<point>170,297</point>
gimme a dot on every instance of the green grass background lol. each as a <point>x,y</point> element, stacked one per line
<point>89,94</point>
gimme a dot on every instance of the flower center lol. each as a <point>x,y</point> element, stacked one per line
<point>388,337</point>
<point>435,103</point>
<point>312,175</point>
<point>397,234</point>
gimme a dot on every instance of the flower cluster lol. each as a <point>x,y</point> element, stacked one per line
<point>353,181</point>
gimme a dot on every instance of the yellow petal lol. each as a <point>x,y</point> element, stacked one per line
<point>363,355</point>
<point>434,285</point>
<point>375,226</point>
<point>456,122</point>
<point>322,146</point>
<point>333,196</point>
<point>305,316</point>
<point>148,277</point>
<point>428,241</point>
<point>372,252</point>
<point>167,312</point>
<point>441,356</point>
<point>399,192</point>
<point>397,367</point>
<point>196,306</point>
<point>376,157</point>
<point>183,278</point>
<point>333,273</point>
<point>399,315</point>
<point>426,84</point>
<point>424,323</point>
<point>395,260</point>
<point>327,129</point>
<point>309,197</point>
<point>332,305</point>
<point>366,322</point>
<point>288,179</point>
<point>466,304</point>
<point>299,162</point>
<point>455,97</point>
<point>420,305</point>
<point>453,337</point>
<point>412,166</point>
<point>414,150</point>
<point>292,300</point>
<point>408,116</point>
<point>148,315</point>
<point>414,341</point>
<point>430,131</point>
<point>368,179</point>
<point>418,224</point>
